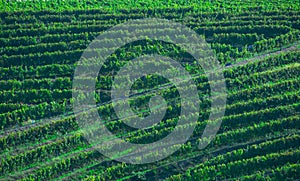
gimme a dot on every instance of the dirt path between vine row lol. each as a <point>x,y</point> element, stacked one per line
<point>45,121</point>
<point>260,57</point>
<point>187,162</point>
<point>241,63</point>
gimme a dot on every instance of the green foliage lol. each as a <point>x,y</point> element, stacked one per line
<point>41,41</point>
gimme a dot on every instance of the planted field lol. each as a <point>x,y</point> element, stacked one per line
<point>255,43</point>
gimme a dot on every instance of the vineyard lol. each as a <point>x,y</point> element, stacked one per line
<point>256,43</point>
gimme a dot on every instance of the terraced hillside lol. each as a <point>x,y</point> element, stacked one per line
<point>257,47</point>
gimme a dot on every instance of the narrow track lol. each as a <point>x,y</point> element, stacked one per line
<point>57,118</point>
<point>168,85</point>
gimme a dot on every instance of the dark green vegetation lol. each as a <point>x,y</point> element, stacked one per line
<point>259,136</point>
